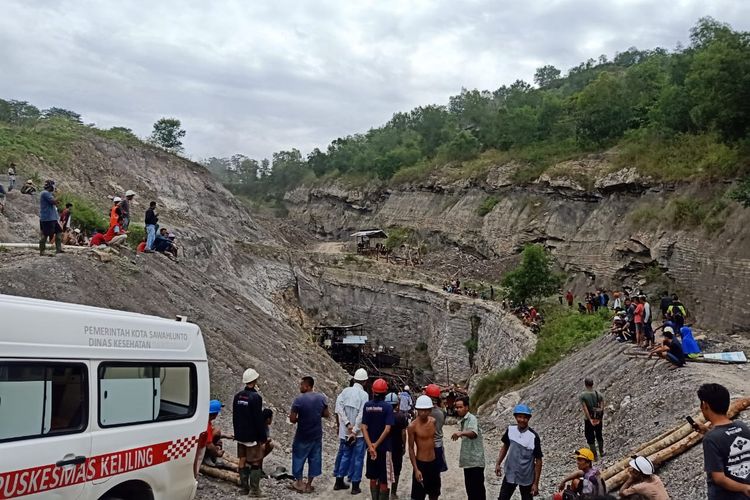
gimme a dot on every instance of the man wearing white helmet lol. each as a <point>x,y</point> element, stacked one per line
<point>426,468</point>
<point>642,481</point>
<point>351,454</point>
<point>249,432</point>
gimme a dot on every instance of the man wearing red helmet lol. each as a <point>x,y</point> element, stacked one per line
<point>438,413</point>
<point>377,420</point>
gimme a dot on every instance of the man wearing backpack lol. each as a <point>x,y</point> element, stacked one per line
<point>586,482</point>
<point>592,404</point>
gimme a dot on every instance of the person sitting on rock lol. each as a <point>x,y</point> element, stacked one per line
<point>689,346</point>
<point>97,238</point>
<point>115,236</point>
<point>586,482</point>
<point>671,350</point>
<point>214,447</point>
<point>28,188</point>
<point>642,481</point>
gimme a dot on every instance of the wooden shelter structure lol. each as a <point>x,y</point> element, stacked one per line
<point>363,238</point>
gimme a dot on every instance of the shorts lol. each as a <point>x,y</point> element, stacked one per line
<point>639,327</point>
<point>673,359</point>
<point>430,485</point>
<point>380,469</point>
<point>253,453</point>
<point>49,227</point>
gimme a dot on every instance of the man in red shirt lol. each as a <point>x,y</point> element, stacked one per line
<point>638,315</point>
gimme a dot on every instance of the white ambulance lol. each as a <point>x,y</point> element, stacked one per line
<point>98,404</point>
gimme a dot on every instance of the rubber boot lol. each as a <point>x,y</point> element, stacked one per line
<point>394,490</point>
<point>244,479</point>
<point>355,488</point>
<point>384,495</point>
<point>58,244</point>
<point>601,448</point>
<point>593,450</point>
<point>340,484</point>
<point>42,245</point>
<point>255,477</point>
<point>375,492</point>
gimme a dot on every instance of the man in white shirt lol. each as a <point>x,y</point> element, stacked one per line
<point>351,454</point>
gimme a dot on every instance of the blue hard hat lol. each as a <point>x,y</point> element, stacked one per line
<point>521,409</point>
<point>391,398</point>
<point>214,406</point>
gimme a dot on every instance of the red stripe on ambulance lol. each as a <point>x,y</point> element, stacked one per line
<point>22,482</point>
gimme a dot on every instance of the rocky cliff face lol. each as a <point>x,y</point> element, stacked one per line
<point>604,229</point>
<point>412,317</point>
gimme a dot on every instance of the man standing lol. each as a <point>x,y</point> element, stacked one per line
<point>249,432</point>
<point>648,330</point>
<point>638,318</point>
<point>569,298</point>
<point>471,457</point>
<point>726,446</point>
<point>11,176</point>
<point>523,450</point>
<point>125,208</point>
<point>48,218</point>
<point>433,391</point>
<point>152,220</point>
<point>307,410</point>
<point>426,470</point>
<point>398,440</point>
<point>377,421</point>
<point>405,404</point>
<point>592,404</point>
<point>351,454</point>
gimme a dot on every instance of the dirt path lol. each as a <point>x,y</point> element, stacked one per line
<point>330,247</point>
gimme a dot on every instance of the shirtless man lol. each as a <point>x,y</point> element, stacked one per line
<point>426,478</point>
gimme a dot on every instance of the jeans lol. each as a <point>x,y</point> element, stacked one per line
<point>474,482</point>
<point>151,236</point>
<point>352,459</point>
<point>310,451</point>
<point>507,490</point>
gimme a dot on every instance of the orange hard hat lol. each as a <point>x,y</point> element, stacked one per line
<point>380,386</point>
<point>557,496</point>
<point>432,390</point>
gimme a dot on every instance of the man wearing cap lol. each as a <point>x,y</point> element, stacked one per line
<point>438,413</point>
<point>471,457</point>
<point>48,218</point>
<point>587,480</point>
<point>28,188</point>
<point>214,447</point>
<point>351,454</point>
<point>249,432</point>
<point>377,421</point>
<point>523,451</point>
<point>125,208</point>
<point>398,440</point>
<point>406,403</point>
<point>426,469</point>
<point>642,481</point>
<point>592,405</point>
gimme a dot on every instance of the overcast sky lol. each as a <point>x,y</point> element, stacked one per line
<point>255,76</point>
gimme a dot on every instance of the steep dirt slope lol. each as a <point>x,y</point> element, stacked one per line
<point>643,399</point>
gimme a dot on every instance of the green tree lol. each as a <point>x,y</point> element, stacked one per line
<point>61,113</point>
<point>534,278</point>
<point>167,134</point>
<point>463,146</point>
<point>18,112</point>
<point>546,76</point>
<point>601,110</point>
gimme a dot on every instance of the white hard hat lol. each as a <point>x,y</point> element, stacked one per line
<point>129,192</point>
<point>117,199</point>
<point>361,375</point>
<point>668,329</point>
<point>424,403</point>
<point>250,375</point>
<point>406,387</point>
<point>642,465</point>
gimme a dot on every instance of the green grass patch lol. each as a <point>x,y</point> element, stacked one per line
<point>648,215</point>
<point>49,140</point>
<point>563,331</point>
<point>687,212</point>
<point>136,234</point>
<point>397,236</point>
<point>487,205</point>
<point>414,173</point>
<point>86,215</point>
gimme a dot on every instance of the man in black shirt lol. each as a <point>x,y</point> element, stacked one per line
<point>398,440</point>
<point>152,220</point>
<point>249,432</point>
<point>726,446</point>
<point>671,350</point>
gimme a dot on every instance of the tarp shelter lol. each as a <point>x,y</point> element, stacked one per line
<point>370,233</point>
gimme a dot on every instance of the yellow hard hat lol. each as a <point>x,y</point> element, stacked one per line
<point>585,454</point>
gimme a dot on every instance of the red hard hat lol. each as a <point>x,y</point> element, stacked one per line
<point>380,386</point>
<point>557,496</point>
<point>432,390</point>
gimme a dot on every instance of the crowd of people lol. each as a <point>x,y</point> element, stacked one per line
<point>57,227</point>
<point>380,427</point>
<point>454,286</point>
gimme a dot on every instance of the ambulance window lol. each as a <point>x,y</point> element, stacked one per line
<point>134,393</point>
<point>40,399</point>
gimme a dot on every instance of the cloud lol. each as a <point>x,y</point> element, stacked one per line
<point>257,77</point>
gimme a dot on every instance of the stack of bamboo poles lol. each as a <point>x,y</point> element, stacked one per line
<point>666,446</point>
